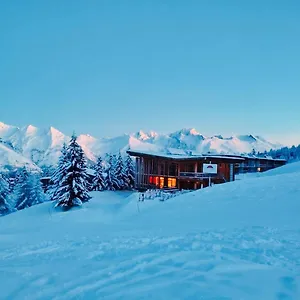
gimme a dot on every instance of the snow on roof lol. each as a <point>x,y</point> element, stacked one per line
<point>174,151</point>
<point>191,156</point>
<point>266,157</point>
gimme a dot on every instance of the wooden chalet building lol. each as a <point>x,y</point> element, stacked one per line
<point>190,171</point>
<point>172,171</point>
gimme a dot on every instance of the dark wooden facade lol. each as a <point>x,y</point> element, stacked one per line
<point>181,172</point>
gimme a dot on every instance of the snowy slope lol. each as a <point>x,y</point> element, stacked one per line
<point>11,159</point>
<point>237,240</point>
<point>289,168</point>
<point>286,169</point>
<point>42,146</point>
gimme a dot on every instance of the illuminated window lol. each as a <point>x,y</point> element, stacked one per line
<point>171,182</point>
<point>155,180</point>
<point>161,182</point>
<point>151,179</point>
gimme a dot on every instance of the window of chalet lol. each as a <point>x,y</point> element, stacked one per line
<point>162,168</point>
<point>154,180</point>
<point>146,164</point>
<point>161,182</point>
<point>173,169</point>
<point>172,182</point>
<point>154,169</point>
<point>187,167</point>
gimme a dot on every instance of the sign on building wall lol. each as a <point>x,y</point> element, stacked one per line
<point>210,168</point>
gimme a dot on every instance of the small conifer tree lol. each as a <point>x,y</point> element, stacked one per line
<point>71,189</point>
<point>99,182</point>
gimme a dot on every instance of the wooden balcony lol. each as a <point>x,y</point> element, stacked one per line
<point>196,175</point>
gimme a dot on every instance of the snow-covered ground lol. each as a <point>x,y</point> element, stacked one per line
<point>238,240</point>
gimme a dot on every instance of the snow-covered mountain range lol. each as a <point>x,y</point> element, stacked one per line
<point>34,147</point>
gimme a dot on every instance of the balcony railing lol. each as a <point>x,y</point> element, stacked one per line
<point>197,175</point>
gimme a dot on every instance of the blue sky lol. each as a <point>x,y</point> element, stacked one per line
<point>108,67</point>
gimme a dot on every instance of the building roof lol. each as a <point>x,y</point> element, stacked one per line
<point>191,156</point>
<point>266,157</point>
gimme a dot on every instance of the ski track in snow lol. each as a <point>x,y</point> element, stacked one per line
<point>125,268</point>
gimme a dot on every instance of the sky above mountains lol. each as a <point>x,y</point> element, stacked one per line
<point>108,67</point>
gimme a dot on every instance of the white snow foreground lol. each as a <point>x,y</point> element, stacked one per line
<point>239,240</point>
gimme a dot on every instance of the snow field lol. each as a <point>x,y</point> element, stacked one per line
<point>239,240</point>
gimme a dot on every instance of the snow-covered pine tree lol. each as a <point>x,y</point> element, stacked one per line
<point>25,195</point>
<point>130,172</point>
<point>4,196</point>
<point>120,173</point>
<point>36,193</point>
<point>117,184</point>
<point>21,190</point>
<point>59,173</point>
<point>72,189</point>
<point>112,183</point>
<point>99,183</point>
<point>48,171</point>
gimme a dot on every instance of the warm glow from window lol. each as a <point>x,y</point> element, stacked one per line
<point>171,182</point>
<point>151,179</point>
<point>161,182</point>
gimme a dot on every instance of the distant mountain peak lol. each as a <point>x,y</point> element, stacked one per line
<point>142,135</point>
<point>6,127</point>
<point>3,125</point>
<point>186,132</point>
<point>55,132</point>
<point>30,129</point>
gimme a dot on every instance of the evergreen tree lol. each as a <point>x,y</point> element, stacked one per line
<point>71,190</point>
<point>59,173</point>
<point>36,193</point>
<point>90,180</point>
<point>4,196</point>
<point>99,182</point>
<point>120,173</point>
<point>289,154</point>
<point>22,190</point>
<point>112,183</point>
<point>130,172</point>
<point>48,171</point>
<point>28,190</point>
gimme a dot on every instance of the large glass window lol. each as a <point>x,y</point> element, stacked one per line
<point>161,182</point>
<point>171,182</point>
